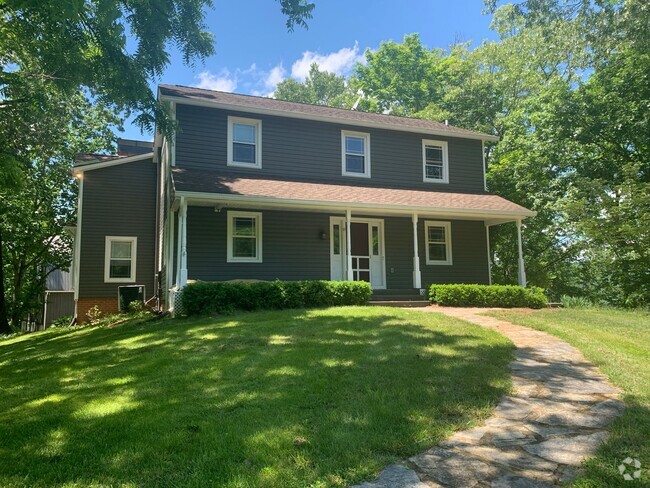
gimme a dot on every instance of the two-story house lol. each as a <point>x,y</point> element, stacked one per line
<point>264,189</point>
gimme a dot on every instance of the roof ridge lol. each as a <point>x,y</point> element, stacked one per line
<point>311,108</point>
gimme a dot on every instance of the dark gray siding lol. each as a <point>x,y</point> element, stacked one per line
<point>311,151</point>
<point>117,201</point>
<point>292,247</point>
<point>293,250</point>
<point>469,255</point>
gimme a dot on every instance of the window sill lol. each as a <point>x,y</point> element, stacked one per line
<point>439,263</point>
<point>446,182</point>
<point>357,175</point>
<point>245,165</point>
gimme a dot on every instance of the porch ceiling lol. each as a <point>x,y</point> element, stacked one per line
<point>211,187</point>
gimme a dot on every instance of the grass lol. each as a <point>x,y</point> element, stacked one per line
<point>618,342</point>
<point>273,399</point>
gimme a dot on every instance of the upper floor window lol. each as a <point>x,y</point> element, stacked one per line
<point>436,161</point>
<point>119,259</point>
<point>244,142</point>
<point>438,242</point>
<point>244,237</point>
<point>355,153</point>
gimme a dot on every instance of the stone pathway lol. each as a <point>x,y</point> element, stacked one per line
<point>537,437</point>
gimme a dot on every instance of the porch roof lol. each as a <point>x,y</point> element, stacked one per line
<point>212,185</point>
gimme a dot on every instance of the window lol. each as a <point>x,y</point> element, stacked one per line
<point>438,241</point>
<point>336,239</point>
<point>355,148</point>
<point>244,237</point>
<point>244,142</point>
<point>436,161</point>
<point>119,261</point>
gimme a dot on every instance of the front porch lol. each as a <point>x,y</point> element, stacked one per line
<point>217,241</point>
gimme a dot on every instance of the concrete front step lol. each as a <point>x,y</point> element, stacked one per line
<point>399,303</point>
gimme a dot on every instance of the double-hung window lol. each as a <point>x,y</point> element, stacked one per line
<point>244,142</point>
<point>355,148</point>
<point>438,242</point>
<point>120,259</point>
<point>244,237</point>
<point>435,159</point>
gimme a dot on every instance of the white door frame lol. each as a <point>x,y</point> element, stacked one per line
<point>334,266</point>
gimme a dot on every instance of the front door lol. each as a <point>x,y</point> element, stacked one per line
<point>367,249</point>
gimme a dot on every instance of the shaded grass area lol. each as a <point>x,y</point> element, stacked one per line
<point>618,342</point>
<point>279,399</point>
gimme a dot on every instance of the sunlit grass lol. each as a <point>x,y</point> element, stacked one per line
<point>618,342</point>
<point>278,399</point>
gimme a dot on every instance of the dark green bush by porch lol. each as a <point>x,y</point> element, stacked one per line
<point>506,296</point>
<point>206,297</point>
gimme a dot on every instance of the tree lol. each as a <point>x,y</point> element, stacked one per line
<point>54,58</point>
<point>319,88</point>
<point>401,77</point>
<point>84,43</point>
<point>42,138</point>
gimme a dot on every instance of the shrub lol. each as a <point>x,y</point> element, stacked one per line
<point>62,321</point>
<point>506,296</point>
<point>575,302</point>
<point>208,297</point>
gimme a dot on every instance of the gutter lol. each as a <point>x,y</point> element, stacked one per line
<point>368,207</point>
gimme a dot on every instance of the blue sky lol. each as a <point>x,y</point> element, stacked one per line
<point>254,51</point>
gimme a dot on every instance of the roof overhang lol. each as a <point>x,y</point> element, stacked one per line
<point>325,118</point>
<point>113,162</point>
<point>491,217</point>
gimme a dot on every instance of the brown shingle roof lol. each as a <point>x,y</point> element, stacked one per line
<point>318,111</point>
<point>201,181</point>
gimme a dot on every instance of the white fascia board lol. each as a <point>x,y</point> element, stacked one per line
<point>363,207</point>
<point>112,162</point>
<point>323,118</point>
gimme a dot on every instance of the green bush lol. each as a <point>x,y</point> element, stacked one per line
<point>209,297</point>
<point>575,302</point>
<point>506,296</point>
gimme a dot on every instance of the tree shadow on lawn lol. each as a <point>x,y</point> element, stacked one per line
<point>285,398</point>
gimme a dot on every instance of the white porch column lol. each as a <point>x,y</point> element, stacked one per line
<point>182,229</point>
<point>417,275</point>
<point>522,270</point>
<point>348,245</point>
<point>489,254</point>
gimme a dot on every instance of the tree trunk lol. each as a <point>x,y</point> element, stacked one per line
<point>4,322</point>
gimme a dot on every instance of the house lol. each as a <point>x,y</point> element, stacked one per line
<point>257,188</point>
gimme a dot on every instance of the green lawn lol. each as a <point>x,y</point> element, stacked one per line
<point>618,342</point>
<point>273,399</point>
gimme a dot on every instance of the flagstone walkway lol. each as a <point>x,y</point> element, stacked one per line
<point>537,437</point>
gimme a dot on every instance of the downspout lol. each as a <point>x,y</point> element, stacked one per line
<point>76,261</point>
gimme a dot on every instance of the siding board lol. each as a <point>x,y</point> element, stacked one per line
<point>117,201</point>
<point>293,250</point>
<point>311,151</point>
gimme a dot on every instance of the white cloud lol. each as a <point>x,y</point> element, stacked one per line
<point>339,62</point>
<point>275,76</point>
<point>224,81</point>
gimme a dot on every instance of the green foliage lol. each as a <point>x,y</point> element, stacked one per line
<point>87,44</point>
<point>62,321</point>
<point>401,77</point>
<point>575,302</point>
<point>319,88</point>
<point>487,296</point>
<point>207,297</point>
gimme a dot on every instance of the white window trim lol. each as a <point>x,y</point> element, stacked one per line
<point>447,226</point>
<point>107,258</point>
<point>366,137</point>
<point>258,142</point>
<point>258,231</point>
<point>445,160</point>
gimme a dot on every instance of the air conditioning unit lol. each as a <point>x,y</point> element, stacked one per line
<point>128,294</point>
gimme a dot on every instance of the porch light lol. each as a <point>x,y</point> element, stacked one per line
<point>322,235</point>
